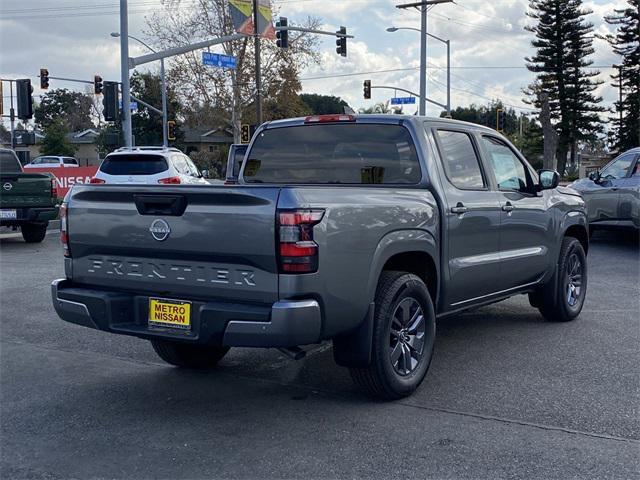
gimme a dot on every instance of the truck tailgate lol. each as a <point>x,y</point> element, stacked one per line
<point>25,190</point>
<point>178,242</point>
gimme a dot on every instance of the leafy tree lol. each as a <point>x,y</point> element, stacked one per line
<point>529,143</point>
<point>108,140</point>
<point>5,134</point>
<point>626,43</point>
<point>563,43</point>
<point>230,92</point>
<point>382,107</point>
<point>146,124</point>
<point>323,104</point>
<point>73,108</point>
<point>55,139</point>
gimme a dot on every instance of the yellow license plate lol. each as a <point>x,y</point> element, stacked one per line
<point>169,313</point>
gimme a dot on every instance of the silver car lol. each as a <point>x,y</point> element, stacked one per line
<point>612,194</point>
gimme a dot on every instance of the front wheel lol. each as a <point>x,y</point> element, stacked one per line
<point>566,302</point>
<point>33,232</point>
<point>189,356</point>
<point>403,338</point>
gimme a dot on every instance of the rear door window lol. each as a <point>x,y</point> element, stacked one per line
<point>9,163</point>
<point>460,160</point>
<point>70,161</point>
<point>133,164</point>
<point>334,153</point>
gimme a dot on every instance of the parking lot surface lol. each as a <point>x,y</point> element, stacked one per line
<point>507,396</point>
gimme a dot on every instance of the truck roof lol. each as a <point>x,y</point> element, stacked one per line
<point>383,118</point>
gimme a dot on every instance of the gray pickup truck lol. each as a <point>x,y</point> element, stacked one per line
<point>362,230</point>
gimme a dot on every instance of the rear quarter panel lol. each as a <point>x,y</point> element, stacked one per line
<point>361,229</point>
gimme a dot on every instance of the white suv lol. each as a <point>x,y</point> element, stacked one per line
<point>150,165</point>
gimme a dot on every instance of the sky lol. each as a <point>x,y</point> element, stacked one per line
<point>488,46</point>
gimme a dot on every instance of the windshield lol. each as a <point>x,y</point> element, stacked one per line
<point>134,165</point>
<point>334,153</point>
<point>9,163</point>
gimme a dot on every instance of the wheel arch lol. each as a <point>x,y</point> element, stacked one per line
<point>575,225</point>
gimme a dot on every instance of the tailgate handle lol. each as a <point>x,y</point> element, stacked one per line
<point>170,205</point>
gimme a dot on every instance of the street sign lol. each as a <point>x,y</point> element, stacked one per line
<point>218,60</point>
<point>133,105</point>
<point>403,100</point>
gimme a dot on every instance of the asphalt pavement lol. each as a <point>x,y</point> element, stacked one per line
<point>507,396</point>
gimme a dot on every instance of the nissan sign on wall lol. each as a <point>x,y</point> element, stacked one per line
<point>68,177</point>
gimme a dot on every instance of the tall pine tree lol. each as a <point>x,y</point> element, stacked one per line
<point>563,43</point>
<point>626,43</point>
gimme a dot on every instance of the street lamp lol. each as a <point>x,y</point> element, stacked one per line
<point>165,140</point>
<point>448,44</point>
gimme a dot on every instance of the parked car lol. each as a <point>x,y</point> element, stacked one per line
<point>52,162</point>
<point>234,162</point>
<point>362,230</point>
<point>150,165</point>
<point>27,200</point>
<point>612,194</point>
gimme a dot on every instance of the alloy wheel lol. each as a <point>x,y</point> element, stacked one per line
<point>406,340</point>
<point>574,279</point>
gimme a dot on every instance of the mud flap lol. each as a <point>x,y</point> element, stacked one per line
<point>354,348</point>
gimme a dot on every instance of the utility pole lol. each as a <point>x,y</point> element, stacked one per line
<point>124,72</point>
<point>258,102</point>
<point>165,139</point>
<point>423,61</point>
<point>12,116</point>
<point>423,5</point>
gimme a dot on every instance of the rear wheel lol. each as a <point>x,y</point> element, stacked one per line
<point>564,302</point>
<point>403,338</point>
<point>189,356</point>
<point>33,232</point>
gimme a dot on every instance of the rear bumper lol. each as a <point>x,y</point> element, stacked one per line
<point>283,324</point>
<point>32,214</point>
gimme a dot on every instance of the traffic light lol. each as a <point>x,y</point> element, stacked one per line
<point>367,89</point>
<point>98,86</point>
<point>171,130</point>
<point>282,35</point>
<point>341,42</point>
<point>25,100</point>
<point>245,133</point>
<point>501,118</point>
<point>110,101</point>
<point>44,78</point>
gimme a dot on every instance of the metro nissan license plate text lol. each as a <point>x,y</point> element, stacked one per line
<point>169,313</point>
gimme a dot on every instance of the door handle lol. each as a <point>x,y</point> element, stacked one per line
<point>614,189</point>
<point>508,207</point>
<point>459,209</point>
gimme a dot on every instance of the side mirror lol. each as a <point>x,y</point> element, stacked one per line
<point>204,173</point>
<point>595,175</point>
<point>549,179</point>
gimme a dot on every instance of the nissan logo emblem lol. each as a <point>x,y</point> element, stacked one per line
<point>7,186</point>
<point>160,230</point>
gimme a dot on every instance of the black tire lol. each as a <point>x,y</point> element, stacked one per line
<point>33,232</point>
<point>564,302</point>
<point>189,356</point>
<point>397,293</point>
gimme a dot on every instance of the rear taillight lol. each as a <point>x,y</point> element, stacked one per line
<point>64,230</point>
<point>170,181</point>
<point>297,251</point>
<point>96,181</point>
<point>329,118</point>
<point>54,188</point>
